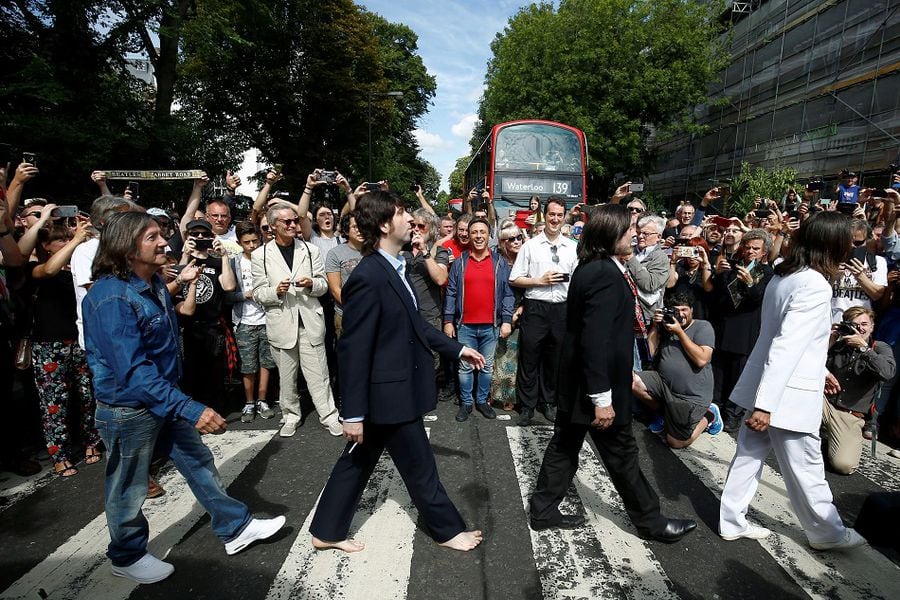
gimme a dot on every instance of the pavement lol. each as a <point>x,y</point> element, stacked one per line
<point>53,531</point>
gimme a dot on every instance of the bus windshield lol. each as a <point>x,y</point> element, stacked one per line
<point>537,147</point>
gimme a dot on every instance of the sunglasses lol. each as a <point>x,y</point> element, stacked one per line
<point>515,238</point>
<point>555,257</point>
<point>265,228</point>
<point>202,235</point>
<point>636,209</point>
<point>294,221</point>
<point>858,243</point>
<point>420,226</point>
<point>34,214</point>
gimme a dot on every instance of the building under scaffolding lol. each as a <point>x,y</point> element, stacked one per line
<point>812,85</point>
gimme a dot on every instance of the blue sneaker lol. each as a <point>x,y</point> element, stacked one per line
<point>658,425</point>
<point>715,427</point>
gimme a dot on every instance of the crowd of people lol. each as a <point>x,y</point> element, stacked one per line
<point>262,299</point>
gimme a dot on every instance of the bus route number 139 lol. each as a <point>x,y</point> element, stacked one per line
<point>560,187</point>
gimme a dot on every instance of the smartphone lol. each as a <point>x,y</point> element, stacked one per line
<point>762,213</point>
<point>846,208</point>
<point>565,276</point>
<point>373,186</point>
<point>636,187</point>
<point>859,253</point>
<point>30,158</point>
<point>686,252</point>
<point>64,212</point>
<point>414,187</point>
<point>203,244</point>
<point>135,189</point>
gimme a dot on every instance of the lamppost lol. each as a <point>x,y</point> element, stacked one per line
<point>370,94</point>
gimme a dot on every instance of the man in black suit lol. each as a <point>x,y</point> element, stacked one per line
<point>385,353</point>
<point>594,388</point>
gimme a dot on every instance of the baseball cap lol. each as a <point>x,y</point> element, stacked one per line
<point>199,224</point>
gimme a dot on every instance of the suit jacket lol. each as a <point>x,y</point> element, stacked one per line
<point>650,277</point>
<point>785,373</point>
<point>384,354</point>
<point>598,347</point>
<point>284,313</point>
<point>737,328</point>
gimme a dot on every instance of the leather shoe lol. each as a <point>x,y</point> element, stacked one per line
<point>463,413</point>
<point>525,417</point>
<point>564,522</point>
<point>674,530</point>
<point>550,413</point>
<point>486,410</point>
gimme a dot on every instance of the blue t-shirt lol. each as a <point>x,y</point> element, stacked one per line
<point>848,193</point>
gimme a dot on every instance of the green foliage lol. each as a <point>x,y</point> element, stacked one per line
<point>457,176</point>
<point>758,182</point>
<point>613,68</point>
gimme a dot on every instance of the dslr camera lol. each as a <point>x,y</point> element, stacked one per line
<point>847,328</point>
<point>671,316</point>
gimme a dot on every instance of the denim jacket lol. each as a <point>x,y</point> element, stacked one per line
<point>131,337</point>
<point>504,299</point>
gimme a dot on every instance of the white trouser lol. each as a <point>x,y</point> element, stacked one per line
<point>800,459</point>
<point>311,360</point>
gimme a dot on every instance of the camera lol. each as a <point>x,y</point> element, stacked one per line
<point>135,188</point>
<point>815,185</point>
<point>203,244</point>
<point>30,158</point>
<point>327,176</point>
<point>762,213</point>
<point>372,186</point>
<point>847,328</point>
<point>64,212</point>
<point>687,252</point>
<point>671,316</point>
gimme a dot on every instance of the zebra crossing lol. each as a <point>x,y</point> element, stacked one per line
<point>603,559</point>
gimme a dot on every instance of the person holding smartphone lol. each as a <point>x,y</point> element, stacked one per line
<point>862,278</point>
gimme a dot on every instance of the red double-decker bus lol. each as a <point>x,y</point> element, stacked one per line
<point>521,159</point>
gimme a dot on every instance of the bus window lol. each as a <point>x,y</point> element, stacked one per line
<point>537,147</point>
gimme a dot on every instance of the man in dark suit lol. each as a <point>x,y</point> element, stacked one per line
<point>385,353</point>
<point>594,388</point>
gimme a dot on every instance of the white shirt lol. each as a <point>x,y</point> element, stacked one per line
<point>846,291</point>
<point>251,312</point>
<point>536,258</point>
<point>604,399</point>
<point>80,265</point>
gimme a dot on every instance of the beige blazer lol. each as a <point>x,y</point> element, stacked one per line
<point>785,373</point>
<point>284,313</point>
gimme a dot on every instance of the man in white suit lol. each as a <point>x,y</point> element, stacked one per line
<point>288,278</point>
<point>781,388</point>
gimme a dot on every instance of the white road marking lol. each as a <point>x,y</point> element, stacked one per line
<point>14,488</point>
<point>862,573</point>
<point>79,567</point>
<point>605,558</point>
<point>385,521</point>
<point>883,470</point>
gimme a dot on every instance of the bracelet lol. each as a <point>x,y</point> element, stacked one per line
<point>307,189</point>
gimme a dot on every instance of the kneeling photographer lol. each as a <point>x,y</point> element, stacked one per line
<point>681,385</point>
<point>857,366</point>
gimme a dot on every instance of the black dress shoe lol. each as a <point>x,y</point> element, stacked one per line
<point>550,413</point>
<point>463,412</point>
<point>486,410</point>
<point>525,417</point>
<point>674,530</point>
<point>732,424</point>
<point>564,522</point>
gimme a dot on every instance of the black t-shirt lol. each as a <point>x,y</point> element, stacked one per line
<point>209,292</point>
<point>288,253</point>
<point>53,307</point>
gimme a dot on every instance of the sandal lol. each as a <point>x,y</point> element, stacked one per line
<point>92,456</point>
<point>65,469</point>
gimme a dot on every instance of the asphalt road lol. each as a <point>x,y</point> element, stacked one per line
<point>53,532</point>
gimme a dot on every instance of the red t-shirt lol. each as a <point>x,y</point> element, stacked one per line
<point>478,294</point>
<point>455,249</point>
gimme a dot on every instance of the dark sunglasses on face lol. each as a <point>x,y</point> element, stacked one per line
<point>858,243</point>
<point>202,235</point>
<point>294,221</point>
<point>636,209</point>
<point>516,238</point>
<point>34,214</point>
<point>265,228</point>
<point>420,226</point>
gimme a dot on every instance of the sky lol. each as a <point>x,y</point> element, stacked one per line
<point>455,44</point>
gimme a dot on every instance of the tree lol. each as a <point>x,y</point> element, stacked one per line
<point>758,182</point>
<point>457,177</point>
<point>615,69</point>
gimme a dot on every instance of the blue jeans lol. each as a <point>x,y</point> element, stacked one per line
<point>130,435</point>
<point>482,338</point>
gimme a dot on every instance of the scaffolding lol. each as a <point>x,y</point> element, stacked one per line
<point>812,84</point>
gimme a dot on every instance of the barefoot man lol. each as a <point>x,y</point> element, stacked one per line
<point>387,384</point>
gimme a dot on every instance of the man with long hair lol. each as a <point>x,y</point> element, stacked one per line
<point>387,346</point>
<point>781,391</point>
<point>131,336</point>
<point>594,390</point>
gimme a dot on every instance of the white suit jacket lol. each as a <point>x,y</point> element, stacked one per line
<point>283,314</point>
<point>785,373</point>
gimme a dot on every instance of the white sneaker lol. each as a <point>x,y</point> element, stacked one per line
<point>264,410</point>
<point>147,569</point>
<point>336,429</point>
<point>289,429</point>
<point>851,540</point>
<point>753,532</point>
<point>257,529</point>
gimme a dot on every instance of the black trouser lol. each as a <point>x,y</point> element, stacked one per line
<point>727,367</point>
<point>543,325</point>
<point>204,364</point>
<point>619,453</point>
<point>408,445</point>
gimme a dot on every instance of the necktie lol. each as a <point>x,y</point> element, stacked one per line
<point>640,330</point>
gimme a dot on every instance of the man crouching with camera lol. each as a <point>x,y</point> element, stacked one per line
<point>857,366</point>
<point>681,385</point>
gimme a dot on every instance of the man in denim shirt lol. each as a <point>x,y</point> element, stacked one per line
<point>131,337</point>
